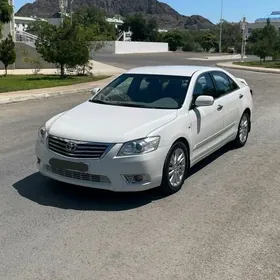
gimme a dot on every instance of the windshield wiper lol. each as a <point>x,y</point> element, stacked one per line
<point>99,101</point>
<point>125,104</point>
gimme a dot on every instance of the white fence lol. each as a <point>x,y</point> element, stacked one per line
<point>126,47</point>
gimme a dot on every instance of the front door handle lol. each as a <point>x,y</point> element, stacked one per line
<point>220,107</point>
<point>240,96</point>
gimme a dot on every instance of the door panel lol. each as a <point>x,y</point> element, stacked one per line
<point>207,129</point>
<point>230,96</point>
<point>231,114</point>
<point>206,122</point>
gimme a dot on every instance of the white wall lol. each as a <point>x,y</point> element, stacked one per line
<point>140,47</point>
<point>127,47</point>
<point>109,47</point>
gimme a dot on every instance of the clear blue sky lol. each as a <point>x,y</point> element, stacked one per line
<point>211,9</point>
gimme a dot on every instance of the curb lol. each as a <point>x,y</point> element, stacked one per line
<point>217,58</point>
<point>38,96</point>
<point>248,68</point>
<point>42,95</point>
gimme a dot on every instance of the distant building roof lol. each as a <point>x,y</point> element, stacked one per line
<point>58,15</point>
<point>114,20</point>
<point>17,18</point>
<point>274,17</point>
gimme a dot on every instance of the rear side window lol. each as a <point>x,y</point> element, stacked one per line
<point>224,83</point>
<point>233,84</point>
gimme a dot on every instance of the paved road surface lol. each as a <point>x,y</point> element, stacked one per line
<point>128,61</point>
<point>224,224</point>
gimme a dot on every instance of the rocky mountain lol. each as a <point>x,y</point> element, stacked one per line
<point>166,16</point>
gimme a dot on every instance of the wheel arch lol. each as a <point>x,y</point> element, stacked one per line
<point>248,111</point>
<point>186,143</point>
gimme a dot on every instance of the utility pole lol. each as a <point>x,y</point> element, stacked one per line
<point>221,26</point>
<point>243,39</point>
<point>71,12</point>
<point>62,7</point>
<point>12,26</point>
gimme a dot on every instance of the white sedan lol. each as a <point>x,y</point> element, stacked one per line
<point>146,129</point>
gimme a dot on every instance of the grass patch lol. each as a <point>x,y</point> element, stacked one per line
<point>267,64</point>
<point>26,82</point>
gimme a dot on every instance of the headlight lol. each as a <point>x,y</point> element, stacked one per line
<point>42,134</point>
<point>141,146</point>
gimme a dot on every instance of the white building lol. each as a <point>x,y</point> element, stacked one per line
<point>274,18</point>
<point>22,23</point>
<point>116,21</point>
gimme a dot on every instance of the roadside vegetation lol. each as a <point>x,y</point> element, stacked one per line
<point>7,46</point>
<point>71,45</point>
<point>27,82</point>
<point>264,43</point>
<point>186,40</point>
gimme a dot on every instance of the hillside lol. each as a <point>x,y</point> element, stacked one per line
<point>166,16</point>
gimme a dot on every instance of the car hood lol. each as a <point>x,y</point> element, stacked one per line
<point>111,124</point>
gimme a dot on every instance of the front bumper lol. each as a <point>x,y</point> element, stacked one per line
<point>108,172</point>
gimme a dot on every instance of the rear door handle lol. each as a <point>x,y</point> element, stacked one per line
<point>240,96</point>
<point>220,107</point>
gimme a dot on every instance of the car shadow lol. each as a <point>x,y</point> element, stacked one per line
<point>48,192</point>
<point>211,158</point>
<point>45,191</point>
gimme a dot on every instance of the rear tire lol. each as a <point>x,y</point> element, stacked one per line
<point>175,169</point>
<point>243,131</point>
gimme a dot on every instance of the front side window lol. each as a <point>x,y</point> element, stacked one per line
<point>204,86</point>
<point>145,91</point>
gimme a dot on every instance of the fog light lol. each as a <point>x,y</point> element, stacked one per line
<point>137,179</point>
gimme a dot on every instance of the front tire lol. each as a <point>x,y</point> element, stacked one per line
<point>243,131</point>
<point>175,169</point>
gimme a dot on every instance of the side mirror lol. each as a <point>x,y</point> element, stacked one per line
<point>204,100</point>
<point>95,91</point>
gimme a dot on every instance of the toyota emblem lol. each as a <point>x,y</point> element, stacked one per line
<point>71,146</point>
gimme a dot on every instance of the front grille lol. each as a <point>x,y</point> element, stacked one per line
<point>79,175</point>
<point>81,149</point>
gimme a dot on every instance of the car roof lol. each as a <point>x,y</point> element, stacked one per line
<point>185,70</point>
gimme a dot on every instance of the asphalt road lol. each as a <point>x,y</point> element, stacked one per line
<point>127,61</point>
<point>224,223</point>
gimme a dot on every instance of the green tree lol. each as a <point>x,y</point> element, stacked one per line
<point>65,45</point>
<point>174,40</point>
<point>231,36</point>
<point>152,30</point>
<point>6,12</point>
<point>265,41</point>
<point>7,52</point>
<point>209,41</point>
<point>260,49</point>
<point>269,34</point>
<point>256,35</point>
<point>276,53</point>
<point>142,29</point>
<point>93,18</point>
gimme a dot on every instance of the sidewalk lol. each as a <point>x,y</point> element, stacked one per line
<point>218,57</point>
<point>98,70</point>
<point>230,65</point>
<point>19,96</point>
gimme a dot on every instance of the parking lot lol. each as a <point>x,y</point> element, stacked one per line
<point>224,223</point>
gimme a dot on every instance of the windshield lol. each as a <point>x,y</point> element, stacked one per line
<point>145,91</point>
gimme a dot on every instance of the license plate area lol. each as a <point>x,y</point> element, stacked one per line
<point>68,165</point>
